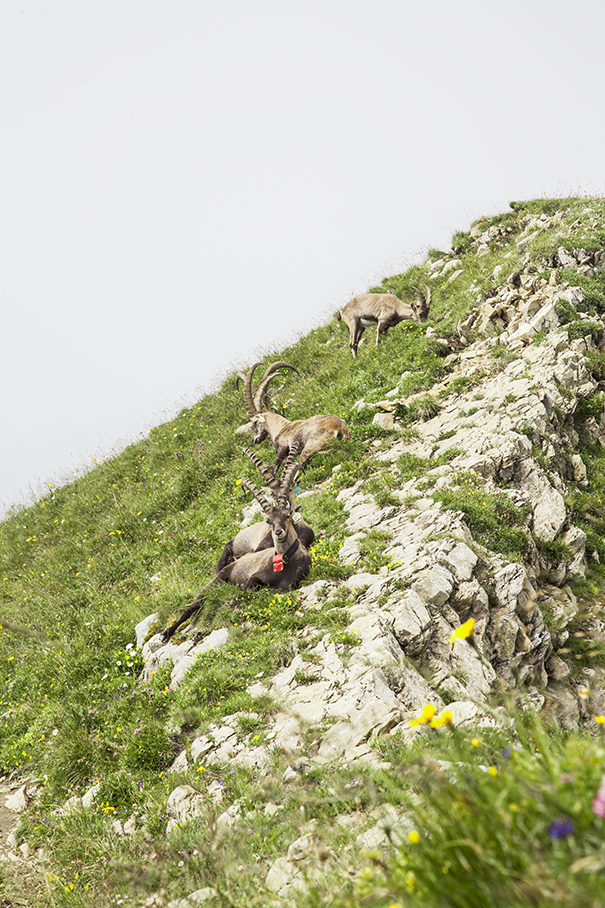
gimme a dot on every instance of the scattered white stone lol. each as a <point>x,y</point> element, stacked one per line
<point>90,796</point>
<point>17,801</point>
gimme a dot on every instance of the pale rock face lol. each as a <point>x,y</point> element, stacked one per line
<point>461,562</point>
<point>183,804</point>
<point>384,421</point>
<point>17,801</point>
<point>90,796</point>
<point>306,861</point>
<point>182,655</point>
<point>411,622</point>
<point>142,628</point>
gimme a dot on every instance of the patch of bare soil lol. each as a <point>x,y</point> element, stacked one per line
<point>20,876</point>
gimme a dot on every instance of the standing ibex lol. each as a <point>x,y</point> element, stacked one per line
<point>383,310</point>
<point>258,536</point>
<point>311,435</point>
<point>282,566</point>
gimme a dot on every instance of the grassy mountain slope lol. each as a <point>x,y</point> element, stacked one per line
<point>141,533</point>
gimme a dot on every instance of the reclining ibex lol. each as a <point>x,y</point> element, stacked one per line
<point>383,310</point>
<point>258,536</point>
<point>282,566</point>
<point>311,435</point>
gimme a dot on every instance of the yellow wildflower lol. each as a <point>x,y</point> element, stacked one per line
<point>600,719</point>
<point>463,632</point>
<point>425,716</point>
<point>443,718</point>
<point>414,837</point>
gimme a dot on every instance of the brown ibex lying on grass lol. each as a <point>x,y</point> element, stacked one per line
<point>383,310</point>
<point>311,435</point>
<point>282,566</point>
<point>258,536</point>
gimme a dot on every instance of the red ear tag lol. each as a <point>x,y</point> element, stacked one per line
<point>278,562</point>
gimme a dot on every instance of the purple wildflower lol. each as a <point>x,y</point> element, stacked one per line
<point>560,828</point>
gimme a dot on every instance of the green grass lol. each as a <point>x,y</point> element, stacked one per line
<point>506,821</point>
<point>141,533</point>
<point>495,521</point>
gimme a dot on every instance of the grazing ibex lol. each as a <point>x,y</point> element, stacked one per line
<point>258,536</point>
<point>282,566</point>
<point>383,310</point>
<point>311,435</point>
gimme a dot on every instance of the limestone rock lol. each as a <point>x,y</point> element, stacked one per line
<point>183,803</point>
<point>17,801</point>
<point>434,586</point>
<point>411,622</point>
<point>142,628</point>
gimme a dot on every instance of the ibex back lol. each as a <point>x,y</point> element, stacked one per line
<point>383,310</point>
<point>310,435</point>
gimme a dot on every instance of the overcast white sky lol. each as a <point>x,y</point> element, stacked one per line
<point>183,182</point>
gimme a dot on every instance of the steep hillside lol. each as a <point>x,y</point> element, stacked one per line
<point>282,741</point>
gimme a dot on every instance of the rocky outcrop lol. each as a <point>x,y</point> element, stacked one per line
<point>505,411</point>
<point>503,422</point>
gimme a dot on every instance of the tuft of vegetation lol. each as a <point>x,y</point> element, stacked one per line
<point>495,521</point>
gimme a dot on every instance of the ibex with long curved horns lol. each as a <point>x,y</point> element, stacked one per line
<point>311,435</point>
<point>383,310</point>
<point>282,566</point>
<point>258,536</point>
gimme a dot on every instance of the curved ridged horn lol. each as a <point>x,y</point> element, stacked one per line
<point>289,478</point>
<point>262,468</point>
<point>291,457</point>
<point>269,374</point>
<point>264,503</point>
<point>424,303</point>
<point>249,398</point>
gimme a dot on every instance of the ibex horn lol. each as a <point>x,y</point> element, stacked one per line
<point>262,468</point>
<point>264,503</point>
<point>269,374</point>
<point>248,395</point>
<point>292,455</point>
<point>289,478</point>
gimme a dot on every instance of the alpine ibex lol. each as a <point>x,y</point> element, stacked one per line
<point>258,536</point>
<point>311,435</point>
<point>282,566</point>
<point>383,310</point>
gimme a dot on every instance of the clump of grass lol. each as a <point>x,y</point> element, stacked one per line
<point>371,548</point>
<point>492,517</point>
<point>472,835</point>
<point>380,486</point>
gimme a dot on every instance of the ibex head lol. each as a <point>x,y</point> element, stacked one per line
<point>256,398</point>
<point>278,515</point>
<point>424,304</point>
